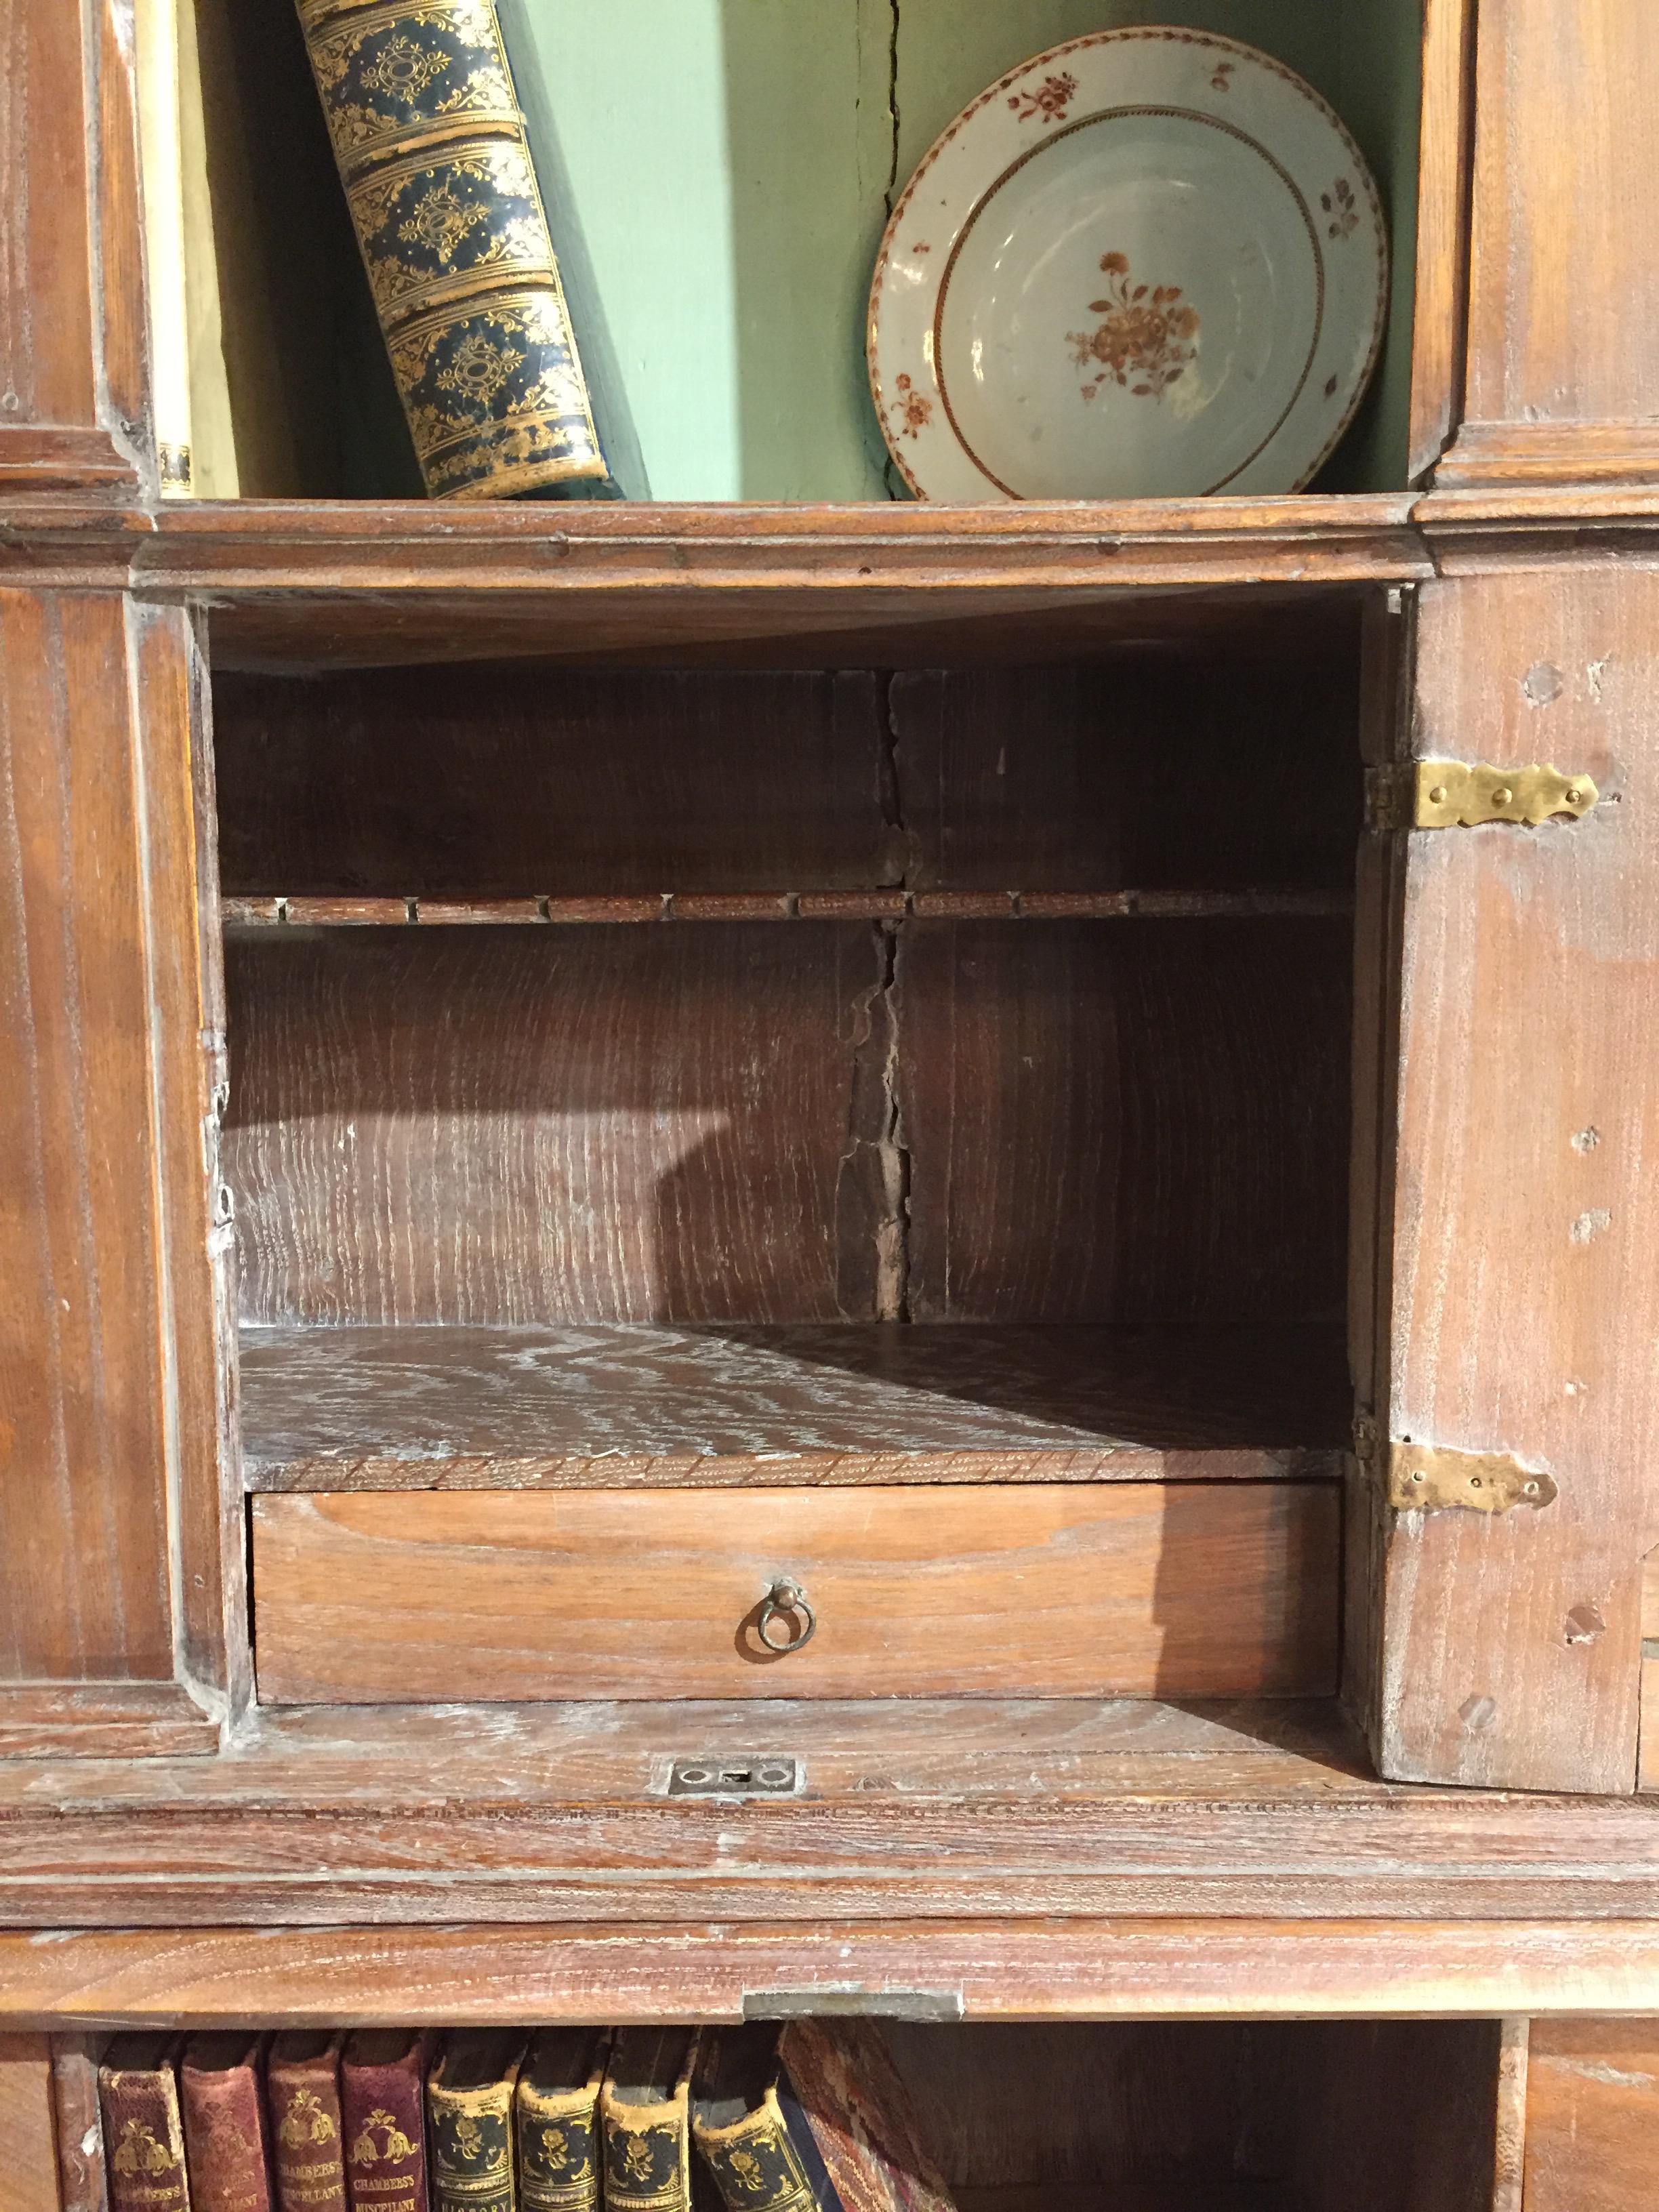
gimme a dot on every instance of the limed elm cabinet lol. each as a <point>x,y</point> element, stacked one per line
<point>568,1068</point>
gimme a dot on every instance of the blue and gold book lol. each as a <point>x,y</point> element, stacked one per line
<point>557,2116</point>
<point>813,2119</point>
<point>645,2120</point>
<point>468,2111</point>
<point>437,169</point>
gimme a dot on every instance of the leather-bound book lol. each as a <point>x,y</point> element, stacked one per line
<point>226,2147</point>
<point>143,2139</point>
<point>557,2116</point>
<point>645,2120</point>
<point>431,148</point>
<point>308,2138</point>
<point>815,2119</point>
<point>382,2105</point>
<point>469,2103</point>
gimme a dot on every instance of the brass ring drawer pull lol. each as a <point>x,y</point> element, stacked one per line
<point>786,1599</point>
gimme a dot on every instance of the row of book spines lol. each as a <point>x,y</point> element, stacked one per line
<point>335,2129</point>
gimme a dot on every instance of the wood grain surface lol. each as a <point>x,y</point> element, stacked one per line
<point>84,1436</point>
<point>1184,1590</point>
<point>71,353</point>
<point>353,583</point>
<point>1090,1121</point>
<point>1592,2115</point>
<point>1440,279</point>
<point>198,1238</point>
<point>82,2181</point>
<point>1141,1122</point>
<point>103,1720</point>
<point>1039,777</point>
<point>1523,1304</point>
<point>482,782</point>
<point>1343,2147</point>
<point>1562,296</point>
<point>628,1126</point>
<point>477,783</point>
<point>1086,2117</point>
<point>1508,2182</point>
<point>29,2137</point>
<point>609,1404</point>
<point>909,1808</point>
<point>1173,1968</point>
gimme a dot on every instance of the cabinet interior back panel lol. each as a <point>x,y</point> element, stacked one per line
<point>1049,1121</point>
<point>1148,770</point>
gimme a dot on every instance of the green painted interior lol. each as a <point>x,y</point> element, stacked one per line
<point>733,162</point>
<point>729,161</point>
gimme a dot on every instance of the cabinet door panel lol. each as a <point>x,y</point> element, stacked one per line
<point>1521,1307</point>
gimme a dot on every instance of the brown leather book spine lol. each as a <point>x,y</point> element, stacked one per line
<point>144,2141</point>
<point>225,2130</point>
<point>383,2104</point>
<point>302,2098</point>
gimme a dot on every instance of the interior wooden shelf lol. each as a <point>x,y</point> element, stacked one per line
<point>440,1407</point>
<point>298,584</point>
<point>972,1825</point>
<point>309,912</point>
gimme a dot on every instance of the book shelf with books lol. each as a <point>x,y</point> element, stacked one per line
<point>729,1223</point>
<point>1248,2117</point>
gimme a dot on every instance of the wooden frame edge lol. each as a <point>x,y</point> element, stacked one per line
<point>1171,1969</point>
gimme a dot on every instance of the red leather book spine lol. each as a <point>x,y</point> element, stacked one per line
<point>225,2131</point>
<point>302,2099</point>
<point>383,2103</point>
<point>143,2144</point>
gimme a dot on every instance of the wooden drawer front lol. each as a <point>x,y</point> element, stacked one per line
<point>1047,1590</point>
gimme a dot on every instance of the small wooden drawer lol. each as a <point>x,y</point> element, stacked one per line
<point>1050,1589</point>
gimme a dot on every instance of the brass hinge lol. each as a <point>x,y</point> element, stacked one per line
<point>1432,1478</point>
<point>1441,794</point>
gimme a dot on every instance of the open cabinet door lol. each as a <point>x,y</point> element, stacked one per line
<point>1507,1275</point>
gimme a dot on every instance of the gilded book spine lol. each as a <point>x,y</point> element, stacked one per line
<point>756,2166</point>
<point>431,147</point>
<point>648,2159</point>
<point>471,2149</point>
<point>143,2137</point>
<point>225,2127</point>
<point>380,2098</point>
<point>302,2090</point>
<point>558,2171</point>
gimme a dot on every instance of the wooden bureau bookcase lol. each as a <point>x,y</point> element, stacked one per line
<point>740,1270</point>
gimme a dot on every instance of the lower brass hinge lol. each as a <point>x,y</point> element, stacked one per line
<point>1432,1478</point>
<point>1441,794</point>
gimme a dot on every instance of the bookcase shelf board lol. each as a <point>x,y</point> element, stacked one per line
<point>406,1407</point>
<point>293,585</point>
<point>910,1811</point>
<point>1179,1967</point>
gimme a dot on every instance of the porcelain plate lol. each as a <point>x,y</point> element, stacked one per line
<point>1151,262</point>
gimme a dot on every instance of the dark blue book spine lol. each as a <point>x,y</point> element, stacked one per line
<point>431,147</point>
